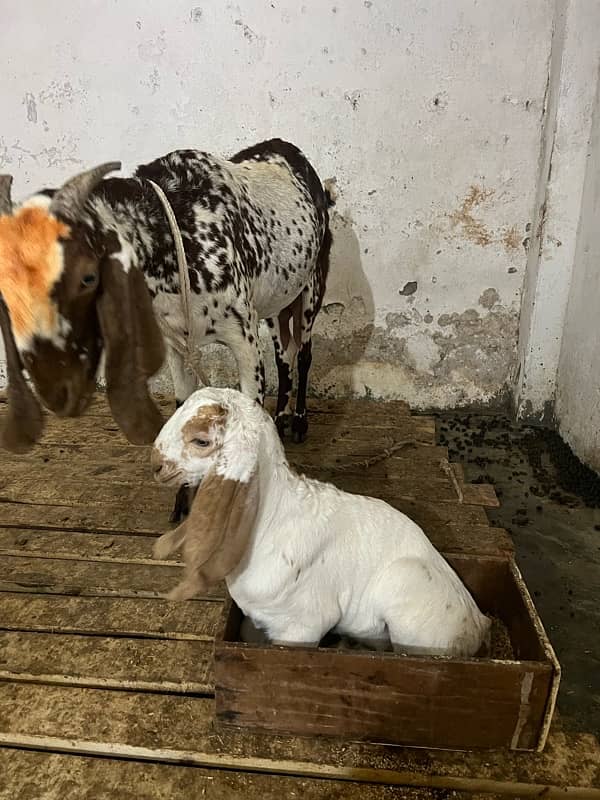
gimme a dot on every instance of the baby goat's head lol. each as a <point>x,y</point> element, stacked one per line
<point>64,298</point>
<point>212,440</point>
<point>216,429</point>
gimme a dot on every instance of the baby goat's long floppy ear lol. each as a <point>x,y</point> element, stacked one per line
<point>134,349</point>
<point>217,531</point>
<point>24,422</point>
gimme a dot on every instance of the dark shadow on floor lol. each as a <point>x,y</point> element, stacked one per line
<point>550,503</point>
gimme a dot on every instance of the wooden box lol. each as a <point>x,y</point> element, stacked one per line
<point>394,699</point>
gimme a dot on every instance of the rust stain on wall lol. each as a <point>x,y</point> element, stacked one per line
<point>512,239</point>
<point>472,228</point>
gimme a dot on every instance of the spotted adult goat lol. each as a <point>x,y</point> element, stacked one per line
<point>300,557</point>
<point>94,266</point>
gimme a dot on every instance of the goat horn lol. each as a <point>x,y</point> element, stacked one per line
<point>70,199</point>
<point>5,201</point>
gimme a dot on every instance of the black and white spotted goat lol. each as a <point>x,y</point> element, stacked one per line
<point>93,266</point>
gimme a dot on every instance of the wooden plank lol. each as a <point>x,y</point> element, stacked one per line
<point>430,515</point>
<point>72,480</point>
<point>68,486</point>
<point>96,518</point>
<point>73,491</point>
<point>76,544</point>
<point>422,429</point>
<point>138,548</point>
<point>480,494</point>
<point>408,486</point>
<point>119,462</point>
<point>373,697</point>
<point>179,728</point>
<point>159,665</point>
<point>56,776</point>
<point>95,429</point>
<point>124,549</point>
<point>336,407</point>
<point>91,578</point>
<point>109,616</point>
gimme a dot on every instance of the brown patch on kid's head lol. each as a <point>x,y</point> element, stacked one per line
<point>31,262</point>
<point>203,424</point>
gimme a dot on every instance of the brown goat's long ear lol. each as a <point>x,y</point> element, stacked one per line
<point>216,534</point>
<point>24,422</point>
<point>134,350</point>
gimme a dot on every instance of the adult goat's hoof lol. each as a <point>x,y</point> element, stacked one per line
<point>299,428</point>
<point>282,423</point>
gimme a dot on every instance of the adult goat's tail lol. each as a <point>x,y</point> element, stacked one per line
<point>330,189</point>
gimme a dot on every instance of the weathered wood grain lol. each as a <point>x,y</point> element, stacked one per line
<point>435,518</point>
<point>109,616</point>
<point>91,429</point>
<point>31,775</point>
<point>138,548</point>
<point>73,484</point>
<point>178,728</point>
<point>91,578</point>
<point>76,544</point>
<point>159,665</point>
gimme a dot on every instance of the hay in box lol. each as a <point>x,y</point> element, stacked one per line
<point>389,698</point>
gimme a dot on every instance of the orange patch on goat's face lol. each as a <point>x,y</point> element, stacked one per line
<point>31,262</point>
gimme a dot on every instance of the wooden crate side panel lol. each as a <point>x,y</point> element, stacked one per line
<point>496,590</point>
<point>418,702</point>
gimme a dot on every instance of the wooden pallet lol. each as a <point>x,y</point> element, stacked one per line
<point>94,662</point>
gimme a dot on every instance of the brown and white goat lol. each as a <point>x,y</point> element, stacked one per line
<point>92,267</point>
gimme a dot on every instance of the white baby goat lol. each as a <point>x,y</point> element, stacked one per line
<point>301,557</point>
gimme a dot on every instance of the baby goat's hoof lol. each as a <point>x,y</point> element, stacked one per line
<point>184,591</point>
<point>299,428</point>
<point>162,547</point>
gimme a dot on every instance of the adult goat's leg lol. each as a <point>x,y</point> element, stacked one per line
<point>246,349</point>
<point>285,356</point>
<point>302,324</point>
<point>300,419</point>
<point>184,384</point>
<point>303,318</point>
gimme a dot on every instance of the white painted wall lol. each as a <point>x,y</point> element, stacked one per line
<point>555,249</point>
<point>428,113</point>
<point>578,384</point>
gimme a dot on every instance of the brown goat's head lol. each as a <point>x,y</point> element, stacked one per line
<point>64,299</point>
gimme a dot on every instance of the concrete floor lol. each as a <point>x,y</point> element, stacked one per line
<point>550,503</point>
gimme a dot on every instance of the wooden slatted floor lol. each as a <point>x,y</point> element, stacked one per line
<point>94,663</point>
